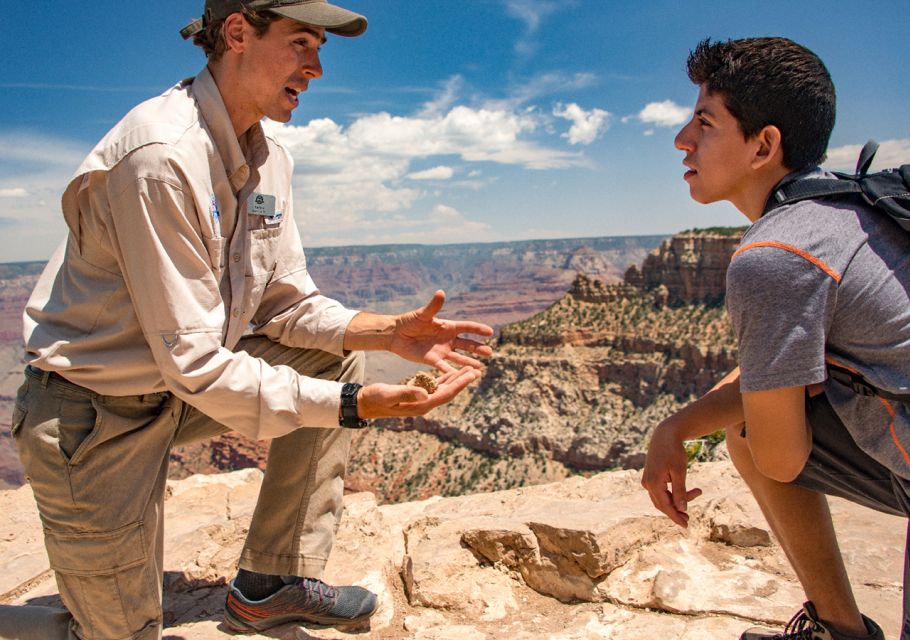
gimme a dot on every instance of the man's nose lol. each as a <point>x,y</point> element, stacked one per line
<point>312,66</point>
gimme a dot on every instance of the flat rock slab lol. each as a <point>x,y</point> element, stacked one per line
<point>582,558</point>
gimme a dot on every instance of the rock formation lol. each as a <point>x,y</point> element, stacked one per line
<point>579,559</point>
<point>580,385</point>
<point>691,265</point>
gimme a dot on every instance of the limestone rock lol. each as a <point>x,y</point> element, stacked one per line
<point>578,559</point>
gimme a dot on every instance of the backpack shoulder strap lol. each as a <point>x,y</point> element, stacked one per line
<point>796,190</point>
<point>809,189</point>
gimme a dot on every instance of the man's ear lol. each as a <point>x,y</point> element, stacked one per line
<point>768,151</point>
<point>235,32</point>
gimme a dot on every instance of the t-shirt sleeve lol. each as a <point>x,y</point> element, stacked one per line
<point>781,302</point>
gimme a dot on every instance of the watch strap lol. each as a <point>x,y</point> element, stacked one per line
<point>350,419</point>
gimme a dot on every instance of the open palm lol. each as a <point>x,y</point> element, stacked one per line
<point>422,337</point>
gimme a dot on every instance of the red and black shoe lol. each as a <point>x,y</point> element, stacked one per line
<point>306,600</point>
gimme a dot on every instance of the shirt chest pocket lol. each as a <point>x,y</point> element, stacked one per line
<point>264,248</point>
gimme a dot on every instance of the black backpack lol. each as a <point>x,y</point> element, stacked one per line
<point>887,191</point>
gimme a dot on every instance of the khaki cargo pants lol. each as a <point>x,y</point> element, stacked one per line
<point>98,466</point>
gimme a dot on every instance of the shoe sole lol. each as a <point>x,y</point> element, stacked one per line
<point>241,626</point>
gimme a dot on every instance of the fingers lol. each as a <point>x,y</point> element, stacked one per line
<point>454,384</point>
<point>678,490</point>
<point>663,502</point>
<point>444,366</point>
<point>448,376</point>
<point>477,328</point>
<point>463,360</point>
<point>472,346</point>
<point>672,502</point>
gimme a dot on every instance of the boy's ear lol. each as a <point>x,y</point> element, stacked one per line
<point>768,150</point>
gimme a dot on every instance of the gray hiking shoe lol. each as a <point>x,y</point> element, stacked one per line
<point>805,625</point>
<point>306,600</point>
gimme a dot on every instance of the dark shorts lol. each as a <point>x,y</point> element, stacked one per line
<point>838,467</point>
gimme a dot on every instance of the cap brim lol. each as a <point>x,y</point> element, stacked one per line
<point>334,19</point>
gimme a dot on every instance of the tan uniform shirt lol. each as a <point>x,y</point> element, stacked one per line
<point>181,238</point>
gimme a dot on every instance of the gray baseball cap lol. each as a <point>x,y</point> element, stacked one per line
<point>317,13</point>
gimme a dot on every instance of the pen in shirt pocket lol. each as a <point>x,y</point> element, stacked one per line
<point>216,219</point>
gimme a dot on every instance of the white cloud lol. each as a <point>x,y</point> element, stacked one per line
<point>587,126</point>
<point>35,169</point>
<point>663,114</point>
<point>891,153</point>
<point>440,225</point>
<point>41,151</point>
<point>356,176</point>
<point>532,13</point>
<point>436,173</point>
<point>543,84</point>
<point>445,98</point>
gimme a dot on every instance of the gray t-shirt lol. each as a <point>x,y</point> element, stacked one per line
<point>816,279</point>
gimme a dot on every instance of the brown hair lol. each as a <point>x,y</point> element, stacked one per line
<point>211,38</point>
<point>771,81</point>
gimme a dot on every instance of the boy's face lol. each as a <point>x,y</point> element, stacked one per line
<point>717,154</point>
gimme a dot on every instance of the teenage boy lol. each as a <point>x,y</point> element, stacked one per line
<point>811,281</point>
<point>180,307</point>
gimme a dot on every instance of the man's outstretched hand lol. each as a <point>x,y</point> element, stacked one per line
<point>419,336</point>
<point>392,400</point>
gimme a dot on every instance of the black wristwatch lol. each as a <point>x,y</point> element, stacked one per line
<point>349,417</point>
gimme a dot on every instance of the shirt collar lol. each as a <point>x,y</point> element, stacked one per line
<point>211,105</point>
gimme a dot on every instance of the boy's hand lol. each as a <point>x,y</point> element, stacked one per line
<point>665,465</point>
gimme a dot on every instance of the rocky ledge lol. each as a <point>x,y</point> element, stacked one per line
<point>582,558</point>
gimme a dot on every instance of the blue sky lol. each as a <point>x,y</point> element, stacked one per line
<point>449,120</point>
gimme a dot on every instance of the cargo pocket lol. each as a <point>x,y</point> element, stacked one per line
<point>107,580</point>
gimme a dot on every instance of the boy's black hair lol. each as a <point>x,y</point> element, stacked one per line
<point>771,81</point>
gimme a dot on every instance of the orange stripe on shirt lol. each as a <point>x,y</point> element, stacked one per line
<point>893,431</point>
<point>789,247</point>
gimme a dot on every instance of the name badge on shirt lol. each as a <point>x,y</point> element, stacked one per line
<point>262,204</point>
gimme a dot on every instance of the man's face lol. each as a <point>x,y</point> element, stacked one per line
<point>277,67</point>
<point>717,155</point>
